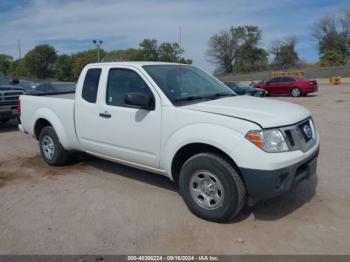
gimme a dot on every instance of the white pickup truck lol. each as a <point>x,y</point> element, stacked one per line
<point>223,150</point>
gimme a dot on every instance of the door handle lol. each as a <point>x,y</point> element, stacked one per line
<point>105,115</point>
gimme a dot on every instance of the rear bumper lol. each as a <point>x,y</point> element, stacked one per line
<point>265,184</point>
<point>21,128</point>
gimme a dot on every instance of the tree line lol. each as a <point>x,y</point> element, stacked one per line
<point>236,50</point>
<point>43,62</point>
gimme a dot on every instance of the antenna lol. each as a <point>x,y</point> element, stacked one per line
<point>19,49</point>
<point>180,44</point>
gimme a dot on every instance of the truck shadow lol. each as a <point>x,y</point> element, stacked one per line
<point>267,210</point>
<point>9,126</point>
<point>129,172</point>
<point>279,207</point>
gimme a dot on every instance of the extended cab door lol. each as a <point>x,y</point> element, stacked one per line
<point>115,129</point>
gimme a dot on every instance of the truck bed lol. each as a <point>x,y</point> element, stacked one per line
<point>61,109</point>
<point>70,96</point>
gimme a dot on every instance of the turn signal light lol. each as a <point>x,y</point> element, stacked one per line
<point>256,138</point>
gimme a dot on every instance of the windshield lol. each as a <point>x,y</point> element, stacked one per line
<point>184,83</point>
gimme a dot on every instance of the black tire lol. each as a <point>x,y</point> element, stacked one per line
<point>295,92</point>
<point>233,195</point>
<point>60,155</point>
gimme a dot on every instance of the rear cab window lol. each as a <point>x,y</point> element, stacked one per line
<point>90,86</point>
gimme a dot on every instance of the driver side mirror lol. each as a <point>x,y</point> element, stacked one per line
<point>140,100</point>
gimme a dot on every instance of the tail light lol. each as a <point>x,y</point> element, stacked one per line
<point>19,106</point>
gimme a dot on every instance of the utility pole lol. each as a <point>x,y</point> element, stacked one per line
<point>180,39</point>
<point>98,43</point>
<point>19,49</point>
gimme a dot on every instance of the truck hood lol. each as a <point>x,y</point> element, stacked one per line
<point>9,87</point>
<point>265,112</point>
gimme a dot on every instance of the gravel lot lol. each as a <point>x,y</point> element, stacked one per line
<point>96,207</point>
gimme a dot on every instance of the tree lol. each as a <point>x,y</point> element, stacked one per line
<point>345,24</point>
<point>332,35</point>
<point>18,68</point>
<point>5,63</point>
<point>81,59</point>
<point>149,50</point>
<point>249,56</point>
<point>331,58</point>
<point>130,54</point>
<point>171,52</point>
<point>237,49</point>
<point>64,68</point>
<point>222,50</point>
<point>284,53</point>
<point>39,61</point>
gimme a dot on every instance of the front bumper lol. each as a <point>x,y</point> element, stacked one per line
<point>8,114</point>
<point>265,184</point>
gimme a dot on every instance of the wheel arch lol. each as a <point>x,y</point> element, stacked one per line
<point>45,117</point>
<point>189,150</point>
<point>39,125</point>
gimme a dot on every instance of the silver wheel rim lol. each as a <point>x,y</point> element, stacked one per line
<point>48,147</point>
<point>295,92</point>
<point>206,189</point>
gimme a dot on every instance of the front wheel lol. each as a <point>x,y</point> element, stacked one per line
<point>211,187</point>
<point>50,147</point>
<point>295,92</point>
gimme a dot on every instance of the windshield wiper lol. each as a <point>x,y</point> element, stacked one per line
<point>219,95</point>
<point>209,97</point>
<point>190,98</point>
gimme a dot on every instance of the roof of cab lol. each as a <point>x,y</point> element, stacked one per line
<point>133,63</point>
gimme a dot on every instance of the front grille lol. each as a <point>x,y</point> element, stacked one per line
<point>9,97</point>
<point>8,103</point>
<point>289,137</point>
<point>13,93</point>
<point>301,136</point>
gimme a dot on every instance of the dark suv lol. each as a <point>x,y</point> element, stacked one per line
<point>9,95</point>
<point>9,102</point>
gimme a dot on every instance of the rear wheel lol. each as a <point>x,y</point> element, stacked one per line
<point>295,92</point>
<point>50,147</point>
<point>211,187</point>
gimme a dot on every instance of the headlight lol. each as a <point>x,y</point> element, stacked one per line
<point>271,140</point>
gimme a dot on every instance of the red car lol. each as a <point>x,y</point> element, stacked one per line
<point>291,85</point>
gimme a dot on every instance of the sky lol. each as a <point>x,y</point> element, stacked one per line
<point>71,25</point>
